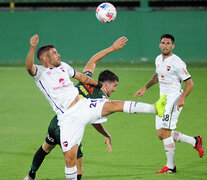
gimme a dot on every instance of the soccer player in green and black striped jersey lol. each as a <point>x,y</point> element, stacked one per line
<point>109,81</point>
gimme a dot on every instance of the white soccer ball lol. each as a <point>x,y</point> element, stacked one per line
<point>106,12</point>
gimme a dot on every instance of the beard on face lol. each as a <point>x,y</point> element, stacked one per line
<point>166,53</point>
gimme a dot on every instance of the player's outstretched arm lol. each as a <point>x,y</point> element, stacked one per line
<point>118,44</point>
<point>31,68</point>
<point>86,79</point>
<point>100,128</point>
<point>151,82</point>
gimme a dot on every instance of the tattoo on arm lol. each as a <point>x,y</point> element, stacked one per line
<point>152,81</point>
<point>86,80</point>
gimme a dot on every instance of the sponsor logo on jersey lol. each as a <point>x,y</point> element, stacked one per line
<point>168,68</point>
<point>168,83</point>
<point>62,81</point>
<point>162,81</point>
<point>63,85</point>
<point>65,143</point>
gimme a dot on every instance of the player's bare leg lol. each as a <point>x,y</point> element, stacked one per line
<point>79,165</point>
<point>70,163</point>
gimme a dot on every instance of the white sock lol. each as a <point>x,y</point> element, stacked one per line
<point>169,149</point>
<point>138,107</point>
<point>179,137</point>
<point>71,173</point>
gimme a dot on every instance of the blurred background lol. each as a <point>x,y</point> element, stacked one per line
<point>72,27</point>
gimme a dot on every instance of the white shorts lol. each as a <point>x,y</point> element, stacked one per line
<point>72,123</point>
<point>170,119</point>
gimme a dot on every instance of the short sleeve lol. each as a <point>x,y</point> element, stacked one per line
<point>70,69</point>
<point>38,73</point>
<point>181,70</point>
<point>156,63</point>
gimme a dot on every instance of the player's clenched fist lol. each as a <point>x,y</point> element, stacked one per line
<point>34,40</point>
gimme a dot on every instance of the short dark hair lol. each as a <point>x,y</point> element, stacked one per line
<point>43,49</point>
<point>107,76</point>
<point>168,36</point>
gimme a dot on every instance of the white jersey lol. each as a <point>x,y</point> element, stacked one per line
<point>171,73</point>
<point>56,85</point>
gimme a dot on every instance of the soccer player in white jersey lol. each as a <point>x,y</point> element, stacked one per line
<point>73,112</point>
<point>170,73</point>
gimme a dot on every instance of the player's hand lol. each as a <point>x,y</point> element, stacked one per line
<point>108,142</point>
<point>140,92</point>
<point>180,103</point>
<point>34,40</point>
<point>119,43</point>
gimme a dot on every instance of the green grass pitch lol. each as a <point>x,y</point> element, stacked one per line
<point>137,153</point>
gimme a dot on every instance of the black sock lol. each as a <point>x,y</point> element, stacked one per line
<point>32,174</point>
<point>37,161</point>
<point>79,176</point>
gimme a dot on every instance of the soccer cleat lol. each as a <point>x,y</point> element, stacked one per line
<point>160,105</point>
<point>166,170</point>
<point>198,146</point>
<point>28,178</point>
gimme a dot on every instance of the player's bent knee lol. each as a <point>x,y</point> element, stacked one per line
<point>159,137</point>
<point>165,133</point>
<point>70,160</point>
<point>159,134</point>
<point>71,156</point>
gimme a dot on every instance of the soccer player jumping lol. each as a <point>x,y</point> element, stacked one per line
<point>110,82</point>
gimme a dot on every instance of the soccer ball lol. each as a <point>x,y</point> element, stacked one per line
<point>106,12</point>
